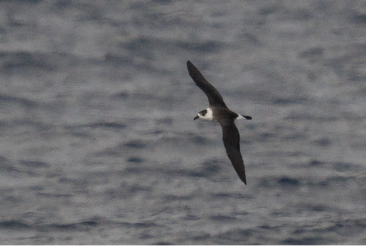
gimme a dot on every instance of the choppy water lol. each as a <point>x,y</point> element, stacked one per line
<point>98,142</point>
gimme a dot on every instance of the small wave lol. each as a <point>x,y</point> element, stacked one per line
<point>34,164</point>
<point>24,102</point>
<point>161,244</point>
<point>284,181</point>
<point>14,225</point>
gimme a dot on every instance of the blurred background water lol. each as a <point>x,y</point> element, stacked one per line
<point>98,142</point>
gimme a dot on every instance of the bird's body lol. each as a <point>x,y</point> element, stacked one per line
<point>219,111</point>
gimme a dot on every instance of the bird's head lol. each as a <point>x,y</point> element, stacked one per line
<point>205,114</point>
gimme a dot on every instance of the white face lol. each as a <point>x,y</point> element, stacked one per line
<point>205,115</point>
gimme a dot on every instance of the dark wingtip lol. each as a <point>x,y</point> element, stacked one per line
<point>189,64</point>
<point>243,177</point>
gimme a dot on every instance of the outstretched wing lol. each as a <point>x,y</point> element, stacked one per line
<point>231,140</point>
<point>214,97</point>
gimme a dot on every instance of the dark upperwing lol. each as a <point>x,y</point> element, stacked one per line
<point>214,97</point>
<point>231,139</point>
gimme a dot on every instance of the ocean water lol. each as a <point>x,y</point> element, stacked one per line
<point>98,143</point>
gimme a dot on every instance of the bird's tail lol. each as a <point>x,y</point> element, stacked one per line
<point>244,117</point>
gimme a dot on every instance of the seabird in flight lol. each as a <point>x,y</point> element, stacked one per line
<point>218,110</point>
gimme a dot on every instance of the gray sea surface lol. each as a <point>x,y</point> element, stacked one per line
<point>98,142</point>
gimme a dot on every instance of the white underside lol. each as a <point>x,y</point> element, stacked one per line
<point>209,116</point>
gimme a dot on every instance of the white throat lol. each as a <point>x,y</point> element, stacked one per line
<point>208,116</point>
<point>239,117</point>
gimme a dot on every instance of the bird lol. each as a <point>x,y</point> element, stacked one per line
<point>218,111</point>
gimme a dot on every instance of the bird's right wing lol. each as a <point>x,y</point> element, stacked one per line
<point>214,97</point>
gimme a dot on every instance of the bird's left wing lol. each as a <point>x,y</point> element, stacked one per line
<point>231,139</point>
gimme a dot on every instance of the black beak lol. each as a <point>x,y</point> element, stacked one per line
<point>196,117</point>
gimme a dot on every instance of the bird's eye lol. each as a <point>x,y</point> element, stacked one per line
<point>204,112</point>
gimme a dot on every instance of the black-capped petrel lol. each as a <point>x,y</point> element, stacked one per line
<point>218,110</point>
